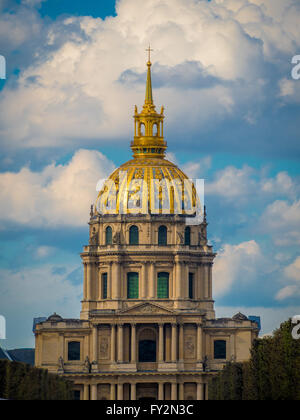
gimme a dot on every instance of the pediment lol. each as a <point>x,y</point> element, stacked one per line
<point>148,308</point>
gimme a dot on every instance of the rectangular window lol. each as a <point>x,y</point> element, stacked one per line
<point>132,285</point>
<point>220,349</point>
<point>191,286</point>
<point>163,286</point>
<point>104,286</point>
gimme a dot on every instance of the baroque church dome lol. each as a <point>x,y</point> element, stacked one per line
<point>149,183</point>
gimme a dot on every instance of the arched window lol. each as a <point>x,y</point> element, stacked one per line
<point>187,236</point>
<point>155,130</point>
<point>132,285</point>
<point>162,235</point>
<point>191,286</point>
<point>220,349</point>
<point>142,129</point>
<point>73,350</point>
<point>108,235</point>
<point>104,286</point>
<point>163,286</point>
<point>134,235</point>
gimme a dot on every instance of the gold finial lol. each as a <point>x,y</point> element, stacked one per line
<point>149,96</point>
<point>149,54</point>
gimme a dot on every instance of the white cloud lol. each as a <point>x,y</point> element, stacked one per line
<point>242,263</point>
<point>232,183</point>
<point>293,270</point>
<point>44,251</point>
<point>282,221</point>
<point>56,196</point>
<point>35,292</point>
<point>286,292</point>
<point>74,92</point>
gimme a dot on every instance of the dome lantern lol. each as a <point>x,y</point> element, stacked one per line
<point>148,125</point>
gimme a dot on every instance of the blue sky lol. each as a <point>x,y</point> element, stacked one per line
<point>75,70</point>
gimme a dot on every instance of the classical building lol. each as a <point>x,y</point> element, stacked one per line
<point>147,328</point>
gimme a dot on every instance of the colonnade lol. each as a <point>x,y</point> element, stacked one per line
<point>177,342</point>
<point>116,280</point>
<point>90,392</point>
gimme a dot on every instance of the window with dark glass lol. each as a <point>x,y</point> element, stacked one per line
<point>108,236</point>
<point>191,286</point>
<point>147,351</point>
<point>76,395</point>
<point>134,235</point>
<point>162,235</point>
<point>132,285</point>
<point>187,236</point>
<point>104,286</point>
<point>163,285</point>
<point>73,350</point>
<point>220,349</point>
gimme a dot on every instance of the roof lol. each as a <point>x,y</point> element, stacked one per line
<point>4,355</point>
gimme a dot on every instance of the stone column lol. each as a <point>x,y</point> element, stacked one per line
<point>185,283</point>
<point>174,391</point>
<point>231,347</point>
<point>161,395</point>
<point>181,342</point>
<point>84,281</point>
<point>133,343</point>
<point>113,343</point>
<point>151,281</point>
<point>178,280</point>
<point>181,392</point>
<point>94,392</point>
<point>89,282</point>
<point>174,343</point>
<point>199,391</point>
<point>95,344</point>
<point>115,281</point>
<point>144,281</point>
<point>210,281</point>
<point>120,343</point>
<point>133,392</point>
<point>120,392</point>
<point>112,392</point>
<point>109,282</point>
<point>161,343</point>
<point>199,343</point>
<point>206,280</point>
<point>86,392</point>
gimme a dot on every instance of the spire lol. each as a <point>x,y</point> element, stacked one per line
<point>148,124</point>
<point>149,96</point>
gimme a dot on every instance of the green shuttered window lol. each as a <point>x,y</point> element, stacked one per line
<point>134,235</point>
<point>104,286</point>
<point>162,236</point>
<point>108,235</point>
<point>163,286</point>
<point>132,285</point>
<point>191,285</point>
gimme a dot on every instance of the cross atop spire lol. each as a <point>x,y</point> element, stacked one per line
<point>149,53</point>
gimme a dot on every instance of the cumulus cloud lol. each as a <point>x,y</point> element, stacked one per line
<point>211,57</point>
<point>247,183</point>
<point>35,292</point>
<point>291,275</point>
<point>293,270</point>
<point>59,195</point>
<point>281,220</point>
<point>242,263</point>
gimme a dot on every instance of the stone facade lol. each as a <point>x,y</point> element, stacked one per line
<point>137,337</point>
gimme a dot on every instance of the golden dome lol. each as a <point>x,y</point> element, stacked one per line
<point>148,184</point>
